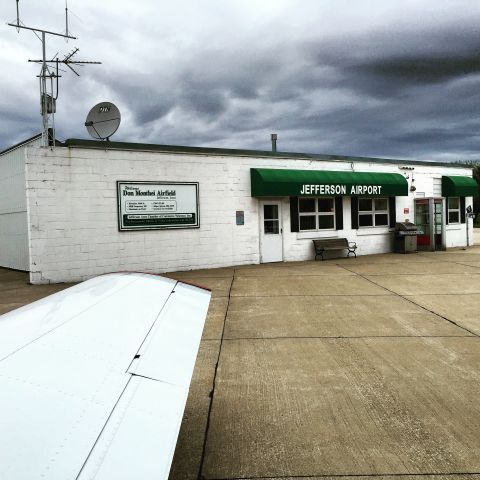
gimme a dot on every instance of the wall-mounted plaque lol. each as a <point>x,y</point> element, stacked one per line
<point>157,205</point>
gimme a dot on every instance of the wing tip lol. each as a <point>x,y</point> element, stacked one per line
<point>198,285</point>
<point>192,284</point>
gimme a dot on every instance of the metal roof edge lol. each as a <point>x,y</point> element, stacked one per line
<point>20,144</point>
<point>179,149</point>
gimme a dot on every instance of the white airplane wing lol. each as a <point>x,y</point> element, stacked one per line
<point>94,379</point>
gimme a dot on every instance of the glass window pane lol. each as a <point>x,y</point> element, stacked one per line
<point>365,220</point>
<point>381,219</point>
<point>421,208</point>
<point>381,204</point>
<point>365,204</point>
<point>325,205</point>
<point>306,205</point>
<point>422,219</point>
<point>454,203</point>
<point>454,217</point>
<point>271,226</point>
<point>307,222</point>
<point>325,221</point>
<point>270,212</point>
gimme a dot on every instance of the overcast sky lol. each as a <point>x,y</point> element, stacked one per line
<point>385,78</point>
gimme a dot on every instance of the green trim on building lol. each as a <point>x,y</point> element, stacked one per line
<point>267,182</point>
<point>459,186</point>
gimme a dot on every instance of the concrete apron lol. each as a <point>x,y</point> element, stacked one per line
<point>324,374</point>
<point>344,367</point>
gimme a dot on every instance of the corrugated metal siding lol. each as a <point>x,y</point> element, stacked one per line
<point>14,241</point>
<point>13,209</point>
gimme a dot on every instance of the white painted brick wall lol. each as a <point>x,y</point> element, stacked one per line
<point>73,212</point>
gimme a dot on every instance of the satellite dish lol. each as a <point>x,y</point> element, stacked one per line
<point>103,120</point>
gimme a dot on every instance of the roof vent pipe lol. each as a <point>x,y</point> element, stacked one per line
<point>273,136</point>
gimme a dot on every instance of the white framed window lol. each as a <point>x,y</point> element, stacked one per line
<point>316,213</point>
<point>373,212</point>
<point>453,210</point>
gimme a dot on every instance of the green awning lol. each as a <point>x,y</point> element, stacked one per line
<point>267,182</point>
<point>457,186</point>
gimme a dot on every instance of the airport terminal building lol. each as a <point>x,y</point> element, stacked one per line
<point>87,207</point>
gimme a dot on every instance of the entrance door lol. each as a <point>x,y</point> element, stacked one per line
<point>271,243</point>
<point>429,220</point>
<point>422,221</point>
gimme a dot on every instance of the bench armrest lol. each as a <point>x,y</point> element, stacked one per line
<point>352,244</point>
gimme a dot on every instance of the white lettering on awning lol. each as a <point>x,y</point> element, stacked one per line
<point>322,189</point>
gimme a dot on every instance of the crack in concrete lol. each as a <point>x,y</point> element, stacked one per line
<point>212,392</point>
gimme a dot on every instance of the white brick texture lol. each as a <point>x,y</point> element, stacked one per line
<point>72,212</point>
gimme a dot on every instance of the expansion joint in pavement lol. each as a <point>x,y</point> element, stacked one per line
<point>350,475</point>
<point>339,337</point>
<point>463,264</point>
<point>411,301</point>
<point>212,393</point>
<point>439,258</point>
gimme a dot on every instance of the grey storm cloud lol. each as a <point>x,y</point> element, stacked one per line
<point>330,77</point>
<point>422,69</point>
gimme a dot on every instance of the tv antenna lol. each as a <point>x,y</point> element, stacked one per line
<point>49,74</point>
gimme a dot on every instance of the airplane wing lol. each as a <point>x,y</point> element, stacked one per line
<point>94,379</point>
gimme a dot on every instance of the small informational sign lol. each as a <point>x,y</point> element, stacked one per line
<point>406,211</point>
<point>240,216</point>
<point>157,205</point>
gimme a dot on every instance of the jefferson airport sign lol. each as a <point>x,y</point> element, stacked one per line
<point>268,182</point>
<point>340,190</point>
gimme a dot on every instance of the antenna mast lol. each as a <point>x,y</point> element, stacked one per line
<point>49,76</point>
<point>66,19</point>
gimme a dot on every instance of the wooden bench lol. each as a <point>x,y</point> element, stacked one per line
<point>323,245</point>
